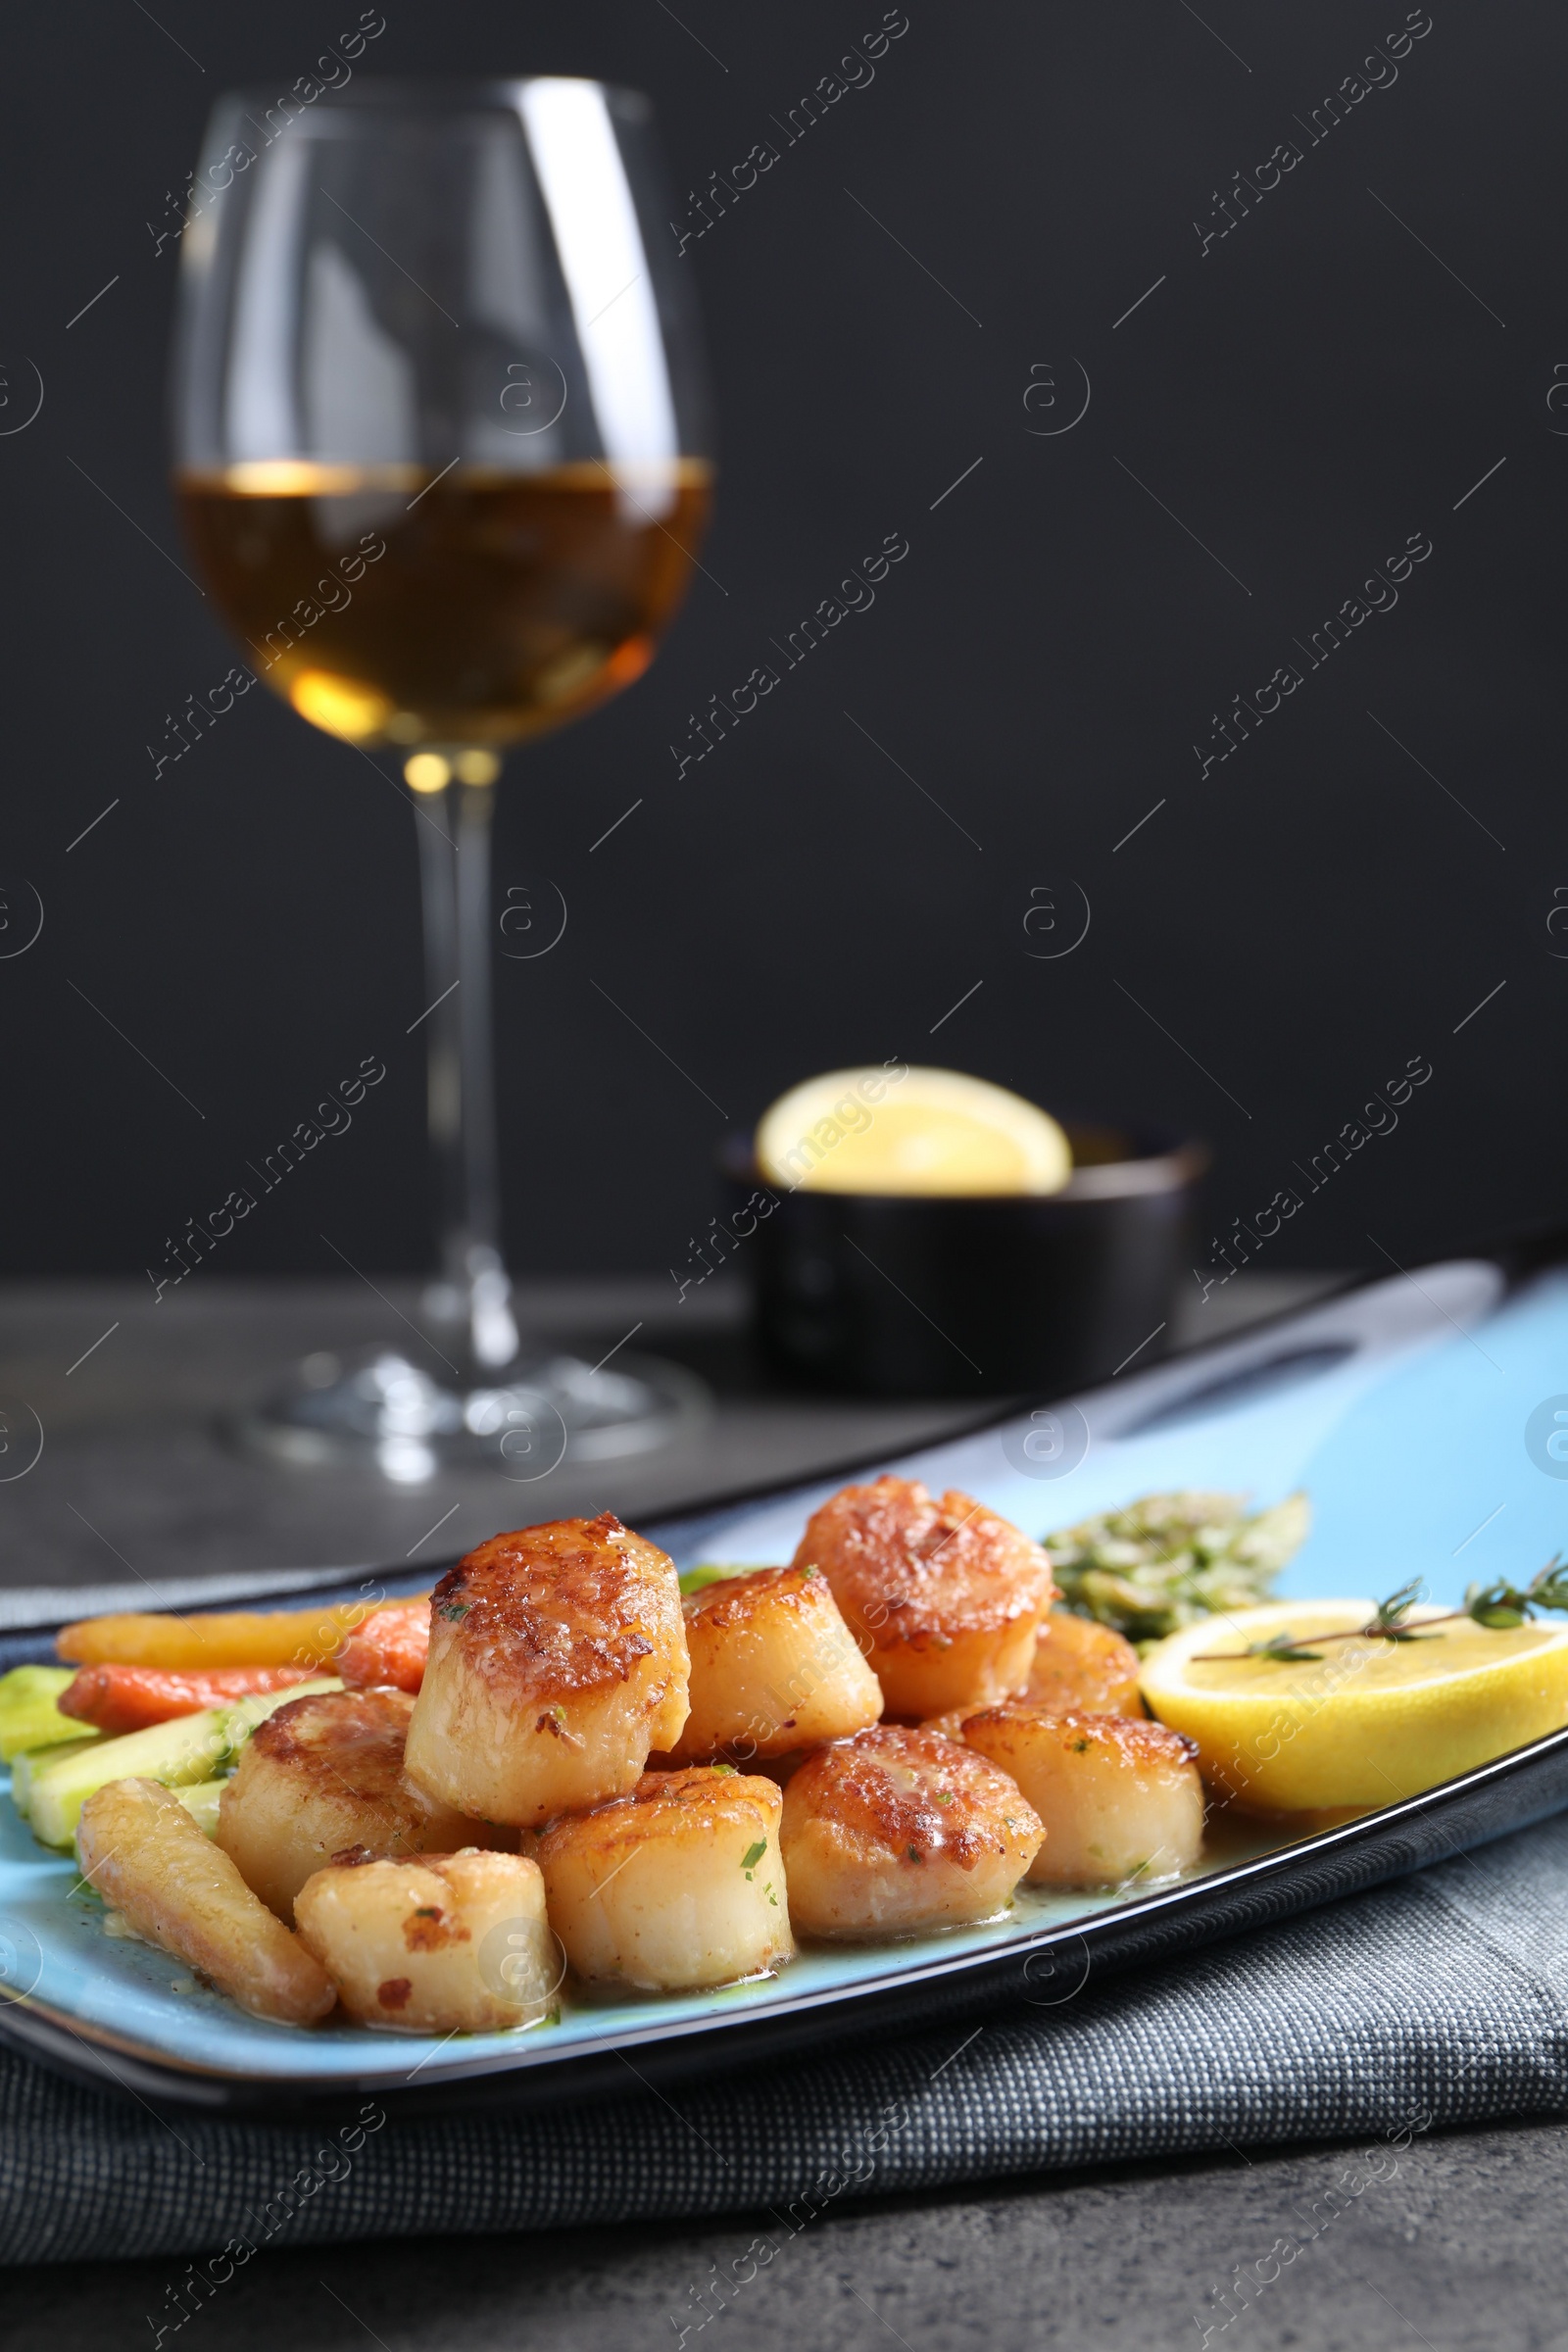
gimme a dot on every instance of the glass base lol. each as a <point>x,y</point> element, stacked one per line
<point>380,1412</point>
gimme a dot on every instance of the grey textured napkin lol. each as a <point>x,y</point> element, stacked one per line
<point>1442,1998</point>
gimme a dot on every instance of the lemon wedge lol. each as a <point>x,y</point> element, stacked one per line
<point>1363,1723</point>
<point>899,1130</point>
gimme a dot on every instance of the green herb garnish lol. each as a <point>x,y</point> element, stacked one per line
<point>1500,1607</point>
<point>714,1571</point>
<point>1168,1560</point>
<point>1388,1618</point>
<point>1282,1645</point>
<point>753,1855</point>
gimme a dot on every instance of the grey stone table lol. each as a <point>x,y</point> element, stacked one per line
<point>136,1478</point>
<point>136,1481</point>
<point>1458,2251</point>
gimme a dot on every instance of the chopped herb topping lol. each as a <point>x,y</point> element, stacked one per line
<point>753,1855</point>
<point>913,1852</point>
<point>711,1572</point>
<point>1078,1746</point>
<point>554,1721</point>
<point>729,1768</point>
<point>943,1797</point>
<point>1172,1560</point>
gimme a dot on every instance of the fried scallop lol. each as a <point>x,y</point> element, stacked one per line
<point>449,1943</point>
<point>773,1667</point>
<point>323,1774</point>
<point>943,1598</point>
<point>896,1831</point>
<point>142,1851</point>
<point>680,1884</point>
<point>1078,1663</point>
<point>558,1661</point>
<point>1120,1797</point>
<point>948,1725</point>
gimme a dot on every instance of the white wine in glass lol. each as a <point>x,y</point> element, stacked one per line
<point>442,457</point>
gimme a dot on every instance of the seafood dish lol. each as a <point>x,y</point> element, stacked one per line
<point>561,1765</point>
<point>941,1733</point>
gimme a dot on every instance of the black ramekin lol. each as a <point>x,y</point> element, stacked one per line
<point>899,1296</point>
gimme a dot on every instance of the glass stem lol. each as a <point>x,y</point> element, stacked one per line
<point>454,830</point>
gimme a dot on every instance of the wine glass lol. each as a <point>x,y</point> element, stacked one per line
<point>441,454</point>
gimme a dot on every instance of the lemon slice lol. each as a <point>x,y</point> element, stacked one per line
<point>924,1131</point>
<point>1364,1723</point>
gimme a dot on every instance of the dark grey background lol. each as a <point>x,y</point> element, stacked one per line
<point>1315,388</point>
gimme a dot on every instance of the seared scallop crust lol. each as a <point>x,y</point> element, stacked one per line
<point>895,1831</point>
<point>680,1884</point>
<point>323,1774</point>
<point>1120,1797</point>
<point>558,1660</point>
<point>945,1597</point>
<point>1078,1663</point>
<point>774,1668</point>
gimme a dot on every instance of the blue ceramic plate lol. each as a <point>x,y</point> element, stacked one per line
<point>1418,1413</point>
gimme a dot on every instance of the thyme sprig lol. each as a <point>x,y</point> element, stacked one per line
<point>1500,1606</point>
